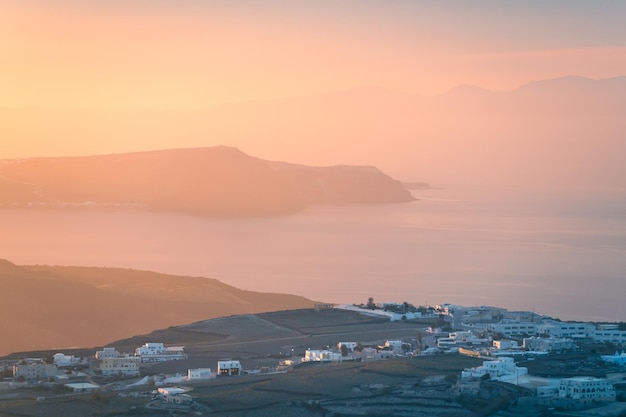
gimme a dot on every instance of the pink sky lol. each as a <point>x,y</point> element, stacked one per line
<point>74,74</point>
<point>193,54</point>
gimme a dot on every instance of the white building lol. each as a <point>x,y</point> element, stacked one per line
<point>83,387</point>
<point>61,360</point>
<point>560,330</point>
<point>617,358</point>
<point>505,344</point>
<point>369,354</point>
<point>393,345</point>
<point>107,352</point>
<point>567,329</point>
<point>35,371</point>
<point>513,328</point>
<point>170,391</point>
<point>174,395</point>
<point>228,367</point>
<point>548,344</point>
<point>349,345</point>
<point>502,369</point>
<point>449,309</point>
<point>321,356</point>
<point>157,352</point>
<point>483,314</point>
<point>617,337</point>
<point>199,374</point>
<point>120,366</point>
<point>586,387</point>
<point>459,339</point>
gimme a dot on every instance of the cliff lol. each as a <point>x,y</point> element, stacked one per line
<point>216,181</point>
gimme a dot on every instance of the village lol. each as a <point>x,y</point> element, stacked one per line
<point>523,349</point>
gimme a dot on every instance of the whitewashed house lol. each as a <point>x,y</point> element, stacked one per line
<point>120,366</point>
<point>349,345</point>
<point>35,371</point>
<point>393,345</point>
<point>548,344</point>
<point>107,352</point>
<point>174,395</point>
<point>505,344</point>
<point>228,367</point>
<point>157,352</point>
<point>586,387</point>
<point>199,374</point>
<point>61,360</point>
<point>502,369</point>
<point>313,355</point>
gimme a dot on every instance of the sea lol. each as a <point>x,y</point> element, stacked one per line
<point>555,252</point>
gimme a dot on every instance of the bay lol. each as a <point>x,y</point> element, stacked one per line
<point>554,252</point>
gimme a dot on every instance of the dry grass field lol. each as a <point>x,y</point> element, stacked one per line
<point>261,339</point>
<point>42,300</point>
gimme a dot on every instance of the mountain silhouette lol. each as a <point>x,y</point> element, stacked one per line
<point>217,181</point>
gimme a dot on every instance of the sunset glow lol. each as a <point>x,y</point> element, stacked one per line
<point>196,55</point>
<point>443,151</point>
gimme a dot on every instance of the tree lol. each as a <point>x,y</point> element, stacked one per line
<point>344,350</point>
<point>370,303</point>
<point>6,373</point>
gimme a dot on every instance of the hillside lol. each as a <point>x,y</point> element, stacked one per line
<point>217,181</point>
<point>46,307</point>
<point>570,130</point>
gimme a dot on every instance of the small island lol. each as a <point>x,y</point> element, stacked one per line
<point>214,181</point>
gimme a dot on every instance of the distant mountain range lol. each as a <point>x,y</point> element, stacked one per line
<point>55,307</point>
<point>216,181</point>
<point>568,131</point>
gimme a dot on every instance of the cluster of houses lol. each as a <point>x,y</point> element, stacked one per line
<point>525,335</point>
<point>108,361</point>
<point>71,371</point>
<point>113,363</point>
<point>526,324</point>
<point>586,388</point>
<point>353,351</point>
<point>494,334</point>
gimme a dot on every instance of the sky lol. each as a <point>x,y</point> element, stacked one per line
<point>113,76</point>
<point>357,82</point>
<point>197,54</point>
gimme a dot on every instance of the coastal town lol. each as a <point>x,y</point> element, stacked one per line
<point>524,349</point>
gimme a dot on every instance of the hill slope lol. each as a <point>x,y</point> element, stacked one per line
<point>220,181</point>
<point>45,307</point>
<point>565,131</point>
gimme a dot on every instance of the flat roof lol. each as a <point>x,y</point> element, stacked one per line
<point>82,385</point>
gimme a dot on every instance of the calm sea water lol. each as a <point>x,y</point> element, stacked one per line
<point>557,253</point>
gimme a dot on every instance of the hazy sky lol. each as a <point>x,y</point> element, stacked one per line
<point>199,53</point>
<point>80,77</point>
